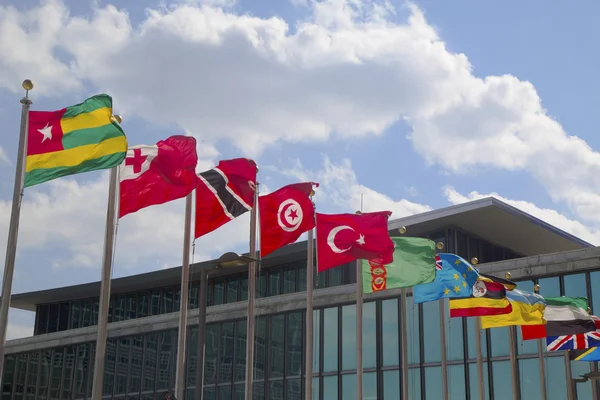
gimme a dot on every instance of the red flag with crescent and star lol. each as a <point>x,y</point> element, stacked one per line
<point>285,215</point>
<point>342,238</point>
<point>156,174</point>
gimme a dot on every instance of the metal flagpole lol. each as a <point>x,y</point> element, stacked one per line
<point>443,345</point>
<point>251,295</point>
<point>13,227</point>
<point>310,254</point>
<point>404,345</point>
<point>109,238</point>
<point>359,331</point>
<point>183,309</point>
<point>536,289</point>
<point>478,350</point>
<point>201,333</point>
<point>512,331</point>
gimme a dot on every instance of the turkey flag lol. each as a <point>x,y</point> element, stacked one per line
<point>342,238</point>
<point>285,215</point>
<point>156,174</point>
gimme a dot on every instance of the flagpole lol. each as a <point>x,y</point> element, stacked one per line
<point>536,289</point>
<point>443,346</point>
<point>404,344</point>
<point>109,239</point>
<point>251,295</point>
<point>478,350</point>
<point>512,331</point>
<point>13,227</point>
<point>359,331</point>
<point>310,250</point>
<point>183,309</point>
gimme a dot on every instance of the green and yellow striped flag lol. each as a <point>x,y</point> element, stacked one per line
<point>80,138</point>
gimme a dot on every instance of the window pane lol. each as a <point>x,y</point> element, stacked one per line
<point>293,389</point>
<point>240,351</point>
<point>109,368</point>
<point>42,320</point>
<point>232,289</point>
<point>474,381</point>
<point>335,276</point>
<point>75,316</point>
<point>82,369</point>
<point>550,287</point>
<point>143,304</point>
<point>500,341</point>
<point>595,284</point>
<point>119,309</point>
<point>218,292</point>
<point>9,373</point>
<point>433,376</point>
<point>86,312</point>
<point>155,302</point>
<point>274,277</point>
<point>122,366</point>
<point>294,344</point>
<point>462,242</point>
<point>224,393</point>
<point>226,353</point>
<point>192,356</point>
<point>501,377</point>
<point>389,331</point>
<point>370,386</point>
<point>412,323</point>
<point>193,295</point>
<point>330,340</point>
<point>44,375</point>
<point>431,331</point>
<point>348,387</point>
<point>575,285</point>
<point>369,352</point>
<point>168,297</point>
<point>53,318</point>
<point>244,289</point>
<point>150,360</point>
<point>555,378</point>
<point>456,383</point>
<point>260,353</point>
<point>316,339</point>
<point>276,348</point>
<point>34,359</point>
<point>315,389</point>
<point>131,307</point>
<point>454,335</point>
<point>302,277</point>
<point>211,351</point>
<point>276,390</point>
<point>63,318</point>
<point>289,280</point>
<point>258,391</point>
<point>391,385</point>
<point>529,376</point>
<point>167,347</point>
<point>330,387</point>
<point>414,383</point>
<point>348,337</point>
<point>584,389</point>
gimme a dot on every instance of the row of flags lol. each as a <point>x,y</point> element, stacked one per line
<point>87,137</point>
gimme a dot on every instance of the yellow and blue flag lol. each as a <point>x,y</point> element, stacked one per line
<point>591,354</point>
<point>454,277</point>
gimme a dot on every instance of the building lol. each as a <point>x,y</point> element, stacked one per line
<point>57,362</point>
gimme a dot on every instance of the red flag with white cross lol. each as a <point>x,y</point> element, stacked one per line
<point>157,174</point>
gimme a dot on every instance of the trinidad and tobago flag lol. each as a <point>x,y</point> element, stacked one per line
<point>224,193</point>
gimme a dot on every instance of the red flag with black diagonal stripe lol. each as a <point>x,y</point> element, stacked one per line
<point>224,193</point>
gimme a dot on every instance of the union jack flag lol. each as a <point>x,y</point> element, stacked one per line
<point>575,342</point>
<point>438,263</point>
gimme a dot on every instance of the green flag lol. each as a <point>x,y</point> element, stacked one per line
<point>414,264</point>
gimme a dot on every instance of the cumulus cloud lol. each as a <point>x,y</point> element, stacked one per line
<point>341,190</point>
<point>550,216</point>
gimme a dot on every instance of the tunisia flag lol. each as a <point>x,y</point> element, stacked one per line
<point>285,215</point>
<point>157,174</point>
<point>342,238</point>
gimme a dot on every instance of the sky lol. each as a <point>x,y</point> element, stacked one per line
<point>412,105</point>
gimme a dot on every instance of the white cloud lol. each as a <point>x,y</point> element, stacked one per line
<point>550,216</point>
<point>341,190</point>
<point>346,70</point>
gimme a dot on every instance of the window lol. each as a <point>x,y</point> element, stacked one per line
<point>389,332</point>
<point>330,340</point>
<point>226,353</point>
<point>348,333</point>
<point>232,289</point>
<point>276,348</point>
<point>75,316</point>
<point>294,344</point>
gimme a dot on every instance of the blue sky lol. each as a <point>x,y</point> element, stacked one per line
<point>414,105</point>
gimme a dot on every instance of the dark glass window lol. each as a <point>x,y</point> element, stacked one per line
<point>166,354</point>
<point>276,347</point>
<point>82,369</point>
<point>177,299</point>
<point>389,329</point>
<point>86,312</point>
<point>56,374</point>
<point>226,353</point>
<point>294,344</point>
<point>122,367</point>
<point>330,340</point>
<point>192,351</point>
<point>9,373</point>
<point>348,338</point>
<point>54,310</point>
<point>487,252</point>
<point>211,353</point>
<point>193,302</point>
<point>218,292</point>
<point>462,242</point>
<point>431,332</point>
<point>21,371</point>
<point>32,374</point>
<point>75,315</point>
<point>260,351</point>
<point>232,289</point>
<point>119,308</point>
<point>302,278</point>
<point>168,299</point>
<point>289,280</point>
<point>274,285</point>
<point>109,366</point>
<point>67,381</point>
<point>155,302</point>
<point>293,389</point>
<point>244,288</point>
<point>131,306</point>
<point>95,311</point>
<point>276,390</point>
<point>63,317</point>
<point>42,319</point>
<point>143,304</point>
<point>150,361</point>
<point>240,351</point>
<point>474,248</point>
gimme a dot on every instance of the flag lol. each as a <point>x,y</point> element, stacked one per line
<point>157,174</point>
<point>564,316</point>
<point>285,215</point>
<point>454,277</point>
<point>80,138</point>
<point>508,284</point>
<point>224,193</point>
<point>527,309</point>
<point>577,341</point>
<point>591,354</point>
<point>413,264</point>
<point>342,238</point>
<point>487,298</point>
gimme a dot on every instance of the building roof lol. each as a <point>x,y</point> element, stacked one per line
<point>512,229</point>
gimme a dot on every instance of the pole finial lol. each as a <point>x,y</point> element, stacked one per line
<point>536,288</point>
<point>27,84</point>
<point>117,118</point>
<point>507,275</point>
<point>474,261</point>
<point>402,230</point>
<point>440,245</point>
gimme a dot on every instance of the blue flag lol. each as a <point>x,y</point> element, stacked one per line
<point>454,277</point>
<point>591,354</point>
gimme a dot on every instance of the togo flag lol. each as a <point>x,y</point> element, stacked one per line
<point>80,138</point>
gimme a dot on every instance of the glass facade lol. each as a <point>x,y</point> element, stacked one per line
<point>143,366</point>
